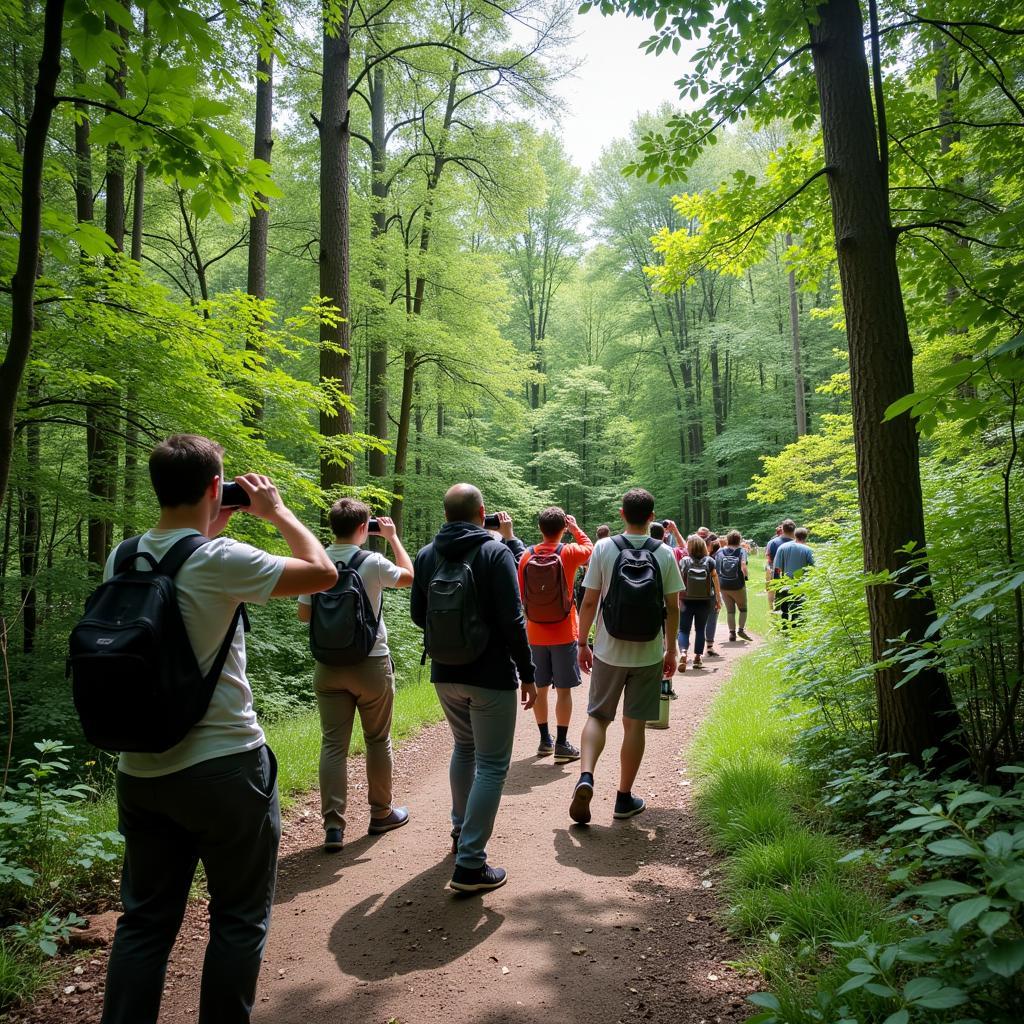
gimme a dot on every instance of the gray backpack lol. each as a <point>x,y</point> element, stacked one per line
<point>698,580</point>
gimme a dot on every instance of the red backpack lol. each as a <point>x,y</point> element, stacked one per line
<point>545,594</point>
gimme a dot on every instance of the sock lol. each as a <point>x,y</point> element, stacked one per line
<point>562,732</point>
<point>623,798</point>
<point>587,777</point>
<point>544,734</point>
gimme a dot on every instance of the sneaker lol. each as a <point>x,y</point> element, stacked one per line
<point>672,695</point>
<point>333,840</point>
<point>711,652</point>
<point>682,664</point>
<point>697,663</point>
<point>744,634</point>
<point>398,817</point>
<point>579,809</point>
<point>628,806</point>
<point>566,752</point>
<point>732,637</point>
<point>478,879</point>
<point>546,747</point>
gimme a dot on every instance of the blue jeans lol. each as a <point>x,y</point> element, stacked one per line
<point>694,614</point>
<point>712,623</point>
<point>483,724</point>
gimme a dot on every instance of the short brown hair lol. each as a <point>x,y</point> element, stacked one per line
<point>552,521</point>
<point>788,526</point>
<point>695,546</point>
<point>604,530</point>
<point>657,531</point>
<point>800,533</point>
<point>734,538</point>
<point>347,515</point>
<point>182,467</point>
<point>637,506</point>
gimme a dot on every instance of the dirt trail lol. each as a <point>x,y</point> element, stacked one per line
<point>615,922</point>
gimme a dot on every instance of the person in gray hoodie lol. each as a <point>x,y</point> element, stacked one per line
<point>478,698</point>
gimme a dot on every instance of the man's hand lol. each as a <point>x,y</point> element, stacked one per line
<point>668,665</point>
<point>387,529</point>
<point>585,657</point>
<point>265,503</point>
<point>570,521</point>
<point>528,695</point>
<point>505,525</point>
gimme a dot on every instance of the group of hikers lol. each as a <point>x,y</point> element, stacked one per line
<point>504,623</point>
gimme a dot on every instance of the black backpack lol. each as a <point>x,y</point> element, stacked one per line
<point>730,569</point>
<point>634,606</point>
<point>455,633</point>
<point>342,625</point>
<point>135,679</point>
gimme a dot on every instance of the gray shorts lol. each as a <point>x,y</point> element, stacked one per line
<point>642,687</point>
<point>557,664</point>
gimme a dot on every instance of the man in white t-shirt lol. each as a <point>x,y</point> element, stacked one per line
<point>211,798</point>
<point>623,669</point>
<point>367,687</point>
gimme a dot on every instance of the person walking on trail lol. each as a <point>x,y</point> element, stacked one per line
<point>212,797</point>
<point>603,531</point>
<point>546,577</point>
<point>354,672</point>
<point>700,594</point>
<point>711,626</point>
<point>791,560</point>
<point>731,566</point>
<point>631,586</point>
<point>783,535</point>
<point>658,532</point>
<point>465,597</point>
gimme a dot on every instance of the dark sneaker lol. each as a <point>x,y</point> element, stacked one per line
<point>579,809</point>
<point>697,663</point>
<point>628,806</point>
<point>711,652</point>
<point>732,638</point>
<point>672,695</point>
<point>333,840</point>
<point>396,819</point>
<point>546,747</point>
<point>566,752</point>
<point>478,879</point>
<point>743,633</point>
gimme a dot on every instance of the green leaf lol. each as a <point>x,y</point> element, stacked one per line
<point>944,999</point>
<point>862,966</point>
<point>953,848</point>
<point>1006,959</point>
<point>899,1017</point>
<point>991,922</point>
<point>918,987</point>
<point>944,887</point>
<point>857,981</point>
<point>966,911</point>
<point>765,999</point>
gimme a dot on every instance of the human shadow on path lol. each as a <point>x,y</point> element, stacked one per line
<point>530,773</point>
<point>411,927</point>
<point>311,867</point>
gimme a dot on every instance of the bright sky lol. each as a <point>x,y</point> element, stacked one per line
<point>615,82</point>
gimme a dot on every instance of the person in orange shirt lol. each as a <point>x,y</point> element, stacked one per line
<point>546,574</point>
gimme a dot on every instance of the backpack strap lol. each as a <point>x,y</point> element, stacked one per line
<point>353,563</point>
<point>558,549</point>
<point>530,550</point>
<point>213,676</point>
<point>179,554</point>
<point>127,552</point>
<point>619,540</point>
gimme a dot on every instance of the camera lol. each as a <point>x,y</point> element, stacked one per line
<point>234,496</point>
<point>373,527</point>
<point>491,521</point>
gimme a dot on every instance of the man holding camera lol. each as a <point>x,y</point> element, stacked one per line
<point>213,796</point>
<point>366,686</point>
<point>465,598</point>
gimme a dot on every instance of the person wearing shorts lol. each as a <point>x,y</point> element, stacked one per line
<point>554,645</point>
<point>623,671</point>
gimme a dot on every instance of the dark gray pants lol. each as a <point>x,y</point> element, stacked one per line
<point>224,813</point>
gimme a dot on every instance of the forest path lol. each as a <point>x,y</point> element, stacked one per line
<point>613,922</point>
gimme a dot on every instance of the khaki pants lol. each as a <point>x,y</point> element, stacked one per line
<point>368,688</point>
<point>735,600</point>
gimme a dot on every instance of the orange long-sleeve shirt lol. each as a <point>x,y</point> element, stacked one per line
<point>550,634</point>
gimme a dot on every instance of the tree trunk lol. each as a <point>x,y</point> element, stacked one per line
<point>402,441</point>
<point>377,384</point>
<point>799,397</point>
<point>335,338</point>
<point>259,222</point>
<point>920,714</point>
<point>30,522</point>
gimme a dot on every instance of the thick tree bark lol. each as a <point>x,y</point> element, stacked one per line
<point>335,338</point>
<point>920,714</point>
<point>799,397</point>
<point>23,283</point>
<point>377,384</point>
<point>259,222</point>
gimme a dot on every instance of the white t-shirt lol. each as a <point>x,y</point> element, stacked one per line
<point>628,653</point>
<point>211,584</point>
<point>376,572</point>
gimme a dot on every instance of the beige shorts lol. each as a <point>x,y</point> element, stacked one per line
<point>641,686</point>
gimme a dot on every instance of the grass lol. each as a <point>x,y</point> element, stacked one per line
<point>788,895</point>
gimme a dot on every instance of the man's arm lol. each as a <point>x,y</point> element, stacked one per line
<point>588,612</point>
<point>310,569</point>
<point>674,530</point>
<point>389,532</point>
<point>305,612</point>
<point>583,547</point>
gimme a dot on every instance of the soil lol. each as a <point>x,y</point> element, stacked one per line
<point>611,922</point>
